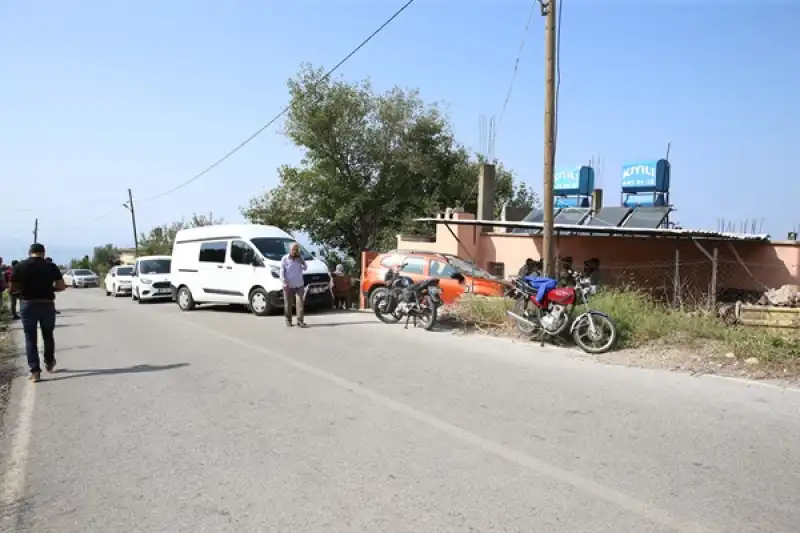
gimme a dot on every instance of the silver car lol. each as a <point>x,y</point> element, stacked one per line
<point>81,277</point>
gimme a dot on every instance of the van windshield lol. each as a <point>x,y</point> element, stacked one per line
<point>154,266</point>
<point>274,248</point>
<point>124,271</point>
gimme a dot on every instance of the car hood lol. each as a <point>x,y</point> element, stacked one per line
<point>155,277</point>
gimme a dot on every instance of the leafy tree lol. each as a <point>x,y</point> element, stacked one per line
<point>104,257</point>
<point>372,163</point>
<point>161,238</point>
<point>85,262</point>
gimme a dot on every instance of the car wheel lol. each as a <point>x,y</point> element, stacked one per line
<point>108,293</point>
<point>185,300</point>
<point>259,302</point>
<point>114,291</point>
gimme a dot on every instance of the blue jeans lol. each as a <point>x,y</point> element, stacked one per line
<point>35,315</point>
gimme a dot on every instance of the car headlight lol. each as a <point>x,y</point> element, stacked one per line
<point>147,281</point>
<point>275,271</point>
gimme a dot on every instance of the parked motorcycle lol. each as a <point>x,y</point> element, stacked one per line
<point>404,298</point>
<point>592,330</point>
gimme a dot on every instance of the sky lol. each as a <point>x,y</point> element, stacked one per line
<point>100,96</point>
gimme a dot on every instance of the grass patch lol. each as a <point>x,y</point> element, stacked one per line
<point>642,321</point>
<point>7,354</point>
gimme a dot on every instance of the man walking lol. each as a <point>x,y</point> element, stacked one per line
<point>292,267</point>
<point>37,281</point>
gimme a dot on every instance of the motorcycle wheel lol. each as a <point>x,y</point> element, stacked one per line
<point>379,306</point>
<point>428,315</point>
<point>521,308</point>
<point>604,338</point>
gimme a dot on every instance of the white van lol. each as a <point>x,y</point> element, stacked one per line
<point>240,264</point>
<point>150,278</point>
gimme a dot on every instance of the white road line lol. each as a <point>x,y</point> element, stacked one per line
<point>14,475</point>
<point>629,503</point>
<point>752,382</point>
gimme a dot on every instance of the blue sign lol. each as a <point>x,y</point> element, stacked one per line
<point>577,180</point>
<point>560,202</point>
<point>646,176</point>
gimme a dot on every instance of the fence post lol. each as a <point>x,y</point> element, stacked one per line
<point>712,297</point>
<point>676,280</point>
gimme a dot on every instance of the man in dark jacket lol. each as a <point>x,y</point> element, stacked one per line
<point>37,281</point>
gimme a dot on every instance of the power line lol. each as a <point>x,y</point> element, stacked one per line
<point>282,112</point>
<point>258,132</point>
<point>516,65</point>
<point>515,70</point>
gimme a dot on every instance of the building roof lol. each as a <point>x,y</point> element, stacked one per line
<point>579,229</point>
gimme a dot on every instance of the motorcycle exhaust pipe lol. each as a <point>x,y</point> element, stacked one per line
<point>521,319</point>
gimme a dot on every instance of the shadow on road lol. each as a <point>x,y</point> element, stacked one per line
<point>137,369</point>
<point>78,311</point>
<point>69,325</point>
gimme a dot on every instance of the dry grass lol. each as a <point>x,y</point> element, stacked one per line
<point>7,363</point>
<point>641,321</point>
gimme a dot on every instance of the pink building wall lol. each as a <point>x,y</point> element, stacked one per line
<point>640,260</point>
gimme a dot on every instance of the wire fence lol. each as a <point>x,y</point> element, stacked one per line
<point>700,283</point>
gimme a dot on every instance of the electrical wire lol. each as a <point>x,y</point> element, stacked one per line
<point>282,112</point>
<point>258,132</point>
<point>515,70</point>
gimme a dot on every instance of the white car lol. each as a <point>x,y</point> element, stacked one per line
<point>119,280</point>
<point>240,264</point>
<point>151,278</point>
<point>81,277</point>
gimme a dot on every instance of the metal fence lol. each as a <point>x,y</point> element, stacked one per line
<point>698,283</point>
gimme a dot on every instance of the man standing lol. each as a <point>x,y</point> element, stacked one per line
<point>292,267</point>
<point>37,281</point>
<point>13,296</point>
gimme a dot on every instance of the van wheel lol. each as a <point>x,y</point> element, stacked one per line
<point>134,296</point>
<point>108,293</point>
<point>185,300</point>
<point>259,302</point>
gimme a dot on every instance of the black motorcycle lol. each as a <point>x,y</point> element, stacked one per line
<point>404,298</point>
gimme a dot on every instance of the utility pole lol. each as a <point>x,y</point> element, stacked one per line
<point>36,230</point>
<point>549,12</point>
<point>129,206</point>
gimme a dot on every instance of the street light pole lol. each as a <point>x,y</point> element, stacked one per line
<point>549,12</point>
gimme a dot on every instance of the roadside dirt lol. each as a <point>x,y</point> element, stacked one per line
<point>7,368</point>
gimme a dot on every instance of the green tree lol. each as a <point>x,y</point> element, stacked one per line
<point>160,239</point>
<point>104,257</point>
<point>85,262</point>
<point>372,163</point>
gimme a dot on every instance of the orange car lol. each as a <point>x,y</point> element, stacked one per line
<point>424,265</point>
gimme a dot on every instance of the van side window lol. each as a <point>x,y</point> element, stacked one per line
<point>242,253</point>
<point>213,252</point>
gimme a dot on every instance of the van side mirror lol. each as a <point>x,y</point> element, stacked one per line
<point>313,254</point>
<point>256,262</point>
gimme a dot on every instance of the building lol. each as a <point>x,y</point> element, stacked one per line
<point>633,244</point>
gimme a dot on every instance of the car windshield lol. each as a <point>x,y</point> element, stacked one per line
<point>155,266</point>
<point>124,271</point>
<point>274,248</point>
<point>83,272</point>
<point>467,268</point>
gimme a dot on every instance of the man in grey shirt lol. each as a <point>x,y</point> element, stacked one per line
<point>292,267</point>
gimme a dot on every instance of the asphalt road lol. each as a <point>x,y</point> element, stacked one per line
<point>218,421</point>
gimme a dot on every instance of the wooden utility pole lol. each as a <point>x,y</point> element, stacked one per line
<point>36,230</point>
<point>549,12</point>
<point>129,207</point>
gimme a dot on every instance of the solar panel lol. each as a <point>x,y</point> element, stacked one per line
<point>609,217</point>
<point>647,217</point>
<point>536,215</point>
<point>571,215</point>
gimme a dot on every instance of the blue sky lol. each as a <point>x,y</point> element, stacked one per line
<point>99,96</point>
